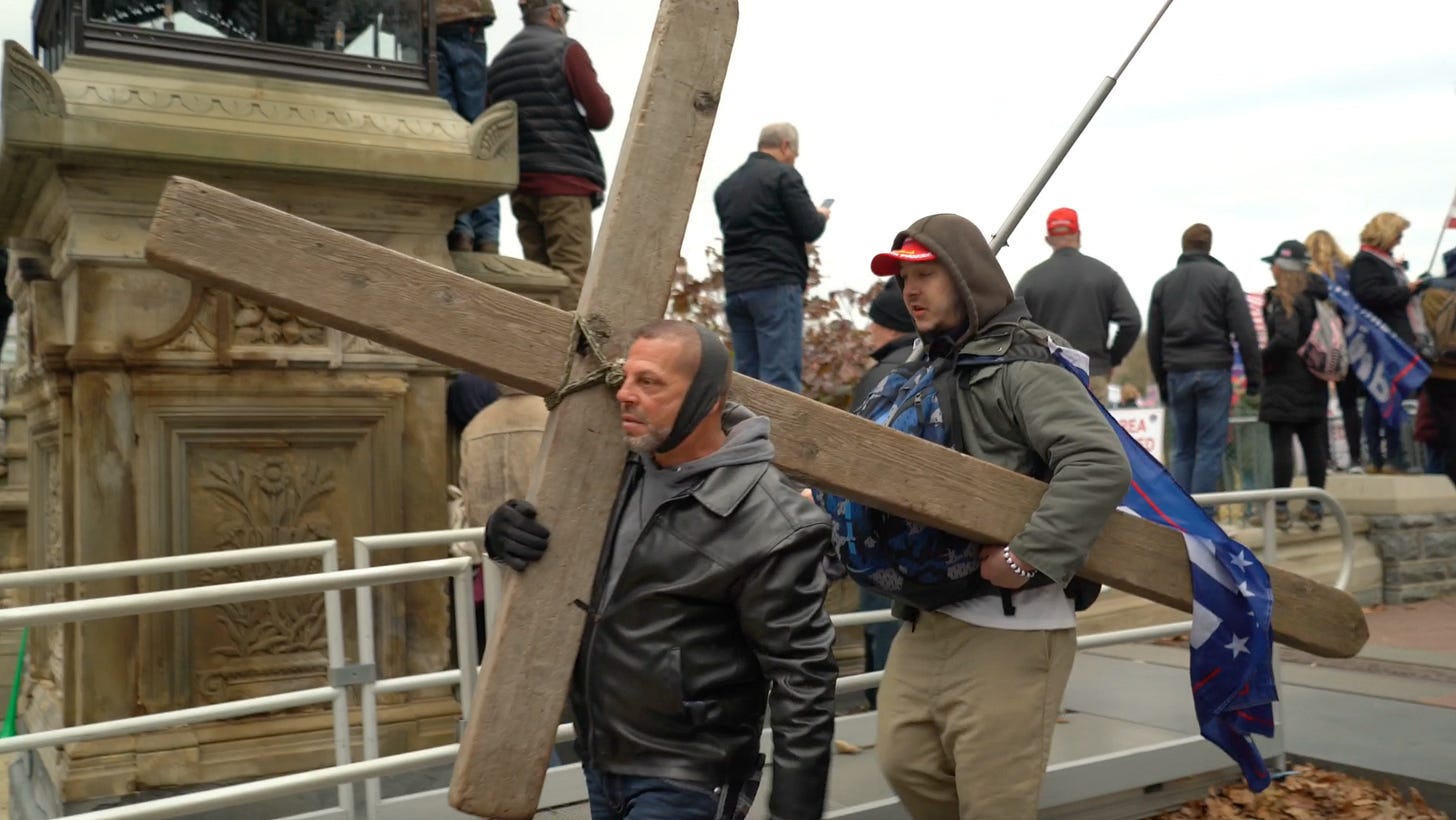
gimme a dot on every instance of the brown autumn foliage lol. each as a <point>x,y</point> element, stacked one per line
<point>1310,793</point>
<point>836,349</point>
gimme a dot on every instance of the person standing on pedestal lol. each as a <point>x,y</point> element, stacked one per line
<point>460,52</point>
<point>1195,309</point>
<point>558,104</point>
<point>768,220</point>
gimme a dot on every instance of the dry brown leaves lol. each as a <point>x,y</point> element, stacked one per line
<point>1309,794</point>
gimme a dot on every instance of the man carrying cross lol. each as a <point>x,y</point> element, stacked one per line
<point>972,689</point>
<point>709,604</point>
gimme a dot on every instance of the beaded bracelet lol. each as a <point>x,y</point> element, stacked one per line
<point>1011,562</point>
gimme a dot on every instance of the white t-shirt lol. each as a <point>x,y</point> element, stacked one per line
<point>1043,607</point>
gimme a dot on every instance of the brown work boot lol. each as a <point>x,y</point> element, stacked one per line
<point>487,247</point>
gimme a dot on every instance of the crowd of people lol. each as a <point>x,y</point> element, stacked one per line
<point>709,602</point>
<point>1200,325</point>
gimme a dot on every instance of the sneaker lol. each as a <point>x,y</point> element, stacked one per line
<point>1255,520</point>
<point>1312,515</point>
<point>1356,469</point>
<point>1390,469</point>
<point>460,242</point>
<point>1282,519</point>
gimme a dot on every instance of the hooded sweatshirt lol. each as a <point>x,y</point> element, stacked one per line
<point>1033,417</point>
<point>748,443</point>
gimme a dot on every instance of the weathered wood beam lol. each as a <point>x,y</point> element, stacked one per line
<point>821,445</point>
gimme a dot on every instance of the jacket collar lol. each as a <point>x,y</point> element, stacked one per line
<point>1199,256</point>
<point>726,487</point>
<point>897,343</point>
<point>996,337</point>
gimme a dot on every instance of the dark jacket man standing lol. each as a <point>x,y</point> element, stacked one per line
<point>1194,311</point>
<point>1077,297</point>
<point>708,605</point>
<point>558,104</point>
<point>971,693</point>
<point>767,219</point>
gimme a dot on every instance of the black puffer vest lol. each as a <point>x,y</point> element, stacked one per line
<point>554,138</point>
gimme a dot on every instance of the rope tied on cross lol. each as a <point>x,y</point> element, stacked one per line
<point>609,371</point>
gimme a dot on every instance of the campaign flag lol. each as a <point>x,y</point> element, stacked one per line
<point>1231,644</point>
<point>1451,217</point>
<point>1390,370</point>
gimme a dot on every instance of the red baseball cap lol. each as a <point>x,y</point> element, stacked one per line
<point>1061,222</point>
<point>889,262</point>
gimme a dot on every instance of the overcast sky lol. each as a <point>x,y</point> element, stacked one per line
<point>1265,120</point>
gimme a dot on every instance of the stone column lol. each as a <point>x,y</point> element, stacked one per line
<point>164,418</point>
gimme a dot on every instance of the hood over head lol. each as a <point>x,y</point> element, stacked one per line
<point>961,247</point>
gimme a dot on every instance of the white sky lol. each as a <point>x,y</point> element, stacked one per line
<point>1263,119</point>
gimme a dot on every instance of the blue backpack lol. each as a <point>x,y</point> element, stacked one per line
<point>901,559</point>
<point>904,560</point>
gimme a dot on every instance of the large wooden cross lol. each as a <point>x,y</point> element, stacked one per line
<point>213,237</point>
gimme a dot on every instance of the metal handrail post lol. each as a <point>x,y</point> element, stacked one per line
<point>334,629</point>
<point>368,708</point>
<point>465,646</point>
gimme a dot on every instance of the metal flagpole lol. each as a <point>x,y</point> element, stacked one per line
<point>1445,223</point>
<point>998,241</point>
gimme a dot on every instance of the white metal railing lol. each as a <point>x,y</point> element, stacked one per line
<point>328,581</point>
<point>463,676</point>
<point>1271,541</point>
<point>363,676</point>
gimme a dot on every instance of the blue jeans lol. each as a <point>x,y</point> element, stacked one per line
<point>878,637</point>
<point>768,334</point>
<point>1199,401</point>
<point>460,49</point>
<point>1394,450</point>
<point>627,797</point>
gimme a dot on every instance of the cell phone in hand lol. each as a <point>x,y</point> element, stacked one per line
<point>827,204</point>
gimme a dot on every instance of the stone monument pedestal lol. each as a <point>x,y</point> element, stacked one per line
<point>162,418</point>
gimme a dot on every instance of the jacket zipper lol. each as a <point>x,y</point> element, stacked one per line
<point>595,616</point>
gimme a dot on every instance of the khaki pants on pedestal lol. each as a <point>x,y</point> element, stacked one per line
<point>966,717</point>
<point>556,231</point>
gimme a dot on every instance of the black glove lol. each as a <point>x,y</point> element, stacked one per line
<point>513,536</point>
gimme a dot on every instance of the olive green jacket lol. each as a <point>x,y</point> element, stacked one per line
<point>1030,415</point>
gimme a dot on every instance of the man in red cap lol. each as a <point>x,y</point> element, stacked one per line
<point>1077,297</point>
<point>971,693</point>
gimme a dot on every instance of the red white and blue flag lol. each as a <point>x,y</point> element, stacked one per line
<point>1230,664</point>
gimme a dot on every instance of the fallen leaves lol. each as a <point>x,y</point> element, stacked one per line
<point>1309,793</point>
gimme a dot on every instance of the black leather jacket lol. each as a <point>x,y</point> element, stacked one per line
<point>719,611</point>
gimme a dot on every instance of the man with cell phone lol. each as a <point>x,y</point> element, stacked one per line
<point>768,221</point>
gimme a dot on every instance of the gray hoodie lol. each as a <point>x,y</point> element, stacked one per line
<point>748,443</point>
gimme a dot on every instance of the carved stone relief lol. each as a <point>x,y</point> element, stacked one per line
<point>28,88</point>
<point>255,324</point>
<point>272,112</point>
<point>50,539</point>
<point>247,499</point>
<point>495,133</point>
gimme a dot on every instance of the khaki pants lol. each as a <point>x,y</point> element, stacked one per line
<point>1099,387</point>
<point>966,717</point>
<point>556,231</point>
